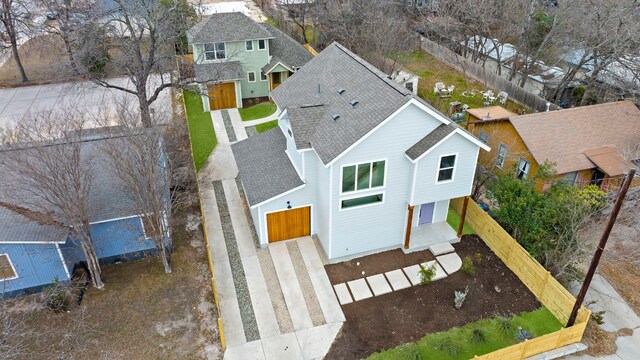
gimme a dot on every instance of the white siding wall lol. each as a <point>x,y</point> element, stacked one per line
<point>323,196</point>
<point>294,154</point>
<point>426,188</point>
<point>364,229</point>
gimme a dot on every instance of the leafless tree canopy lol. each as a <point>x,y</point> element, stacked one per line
<point>14,21</point>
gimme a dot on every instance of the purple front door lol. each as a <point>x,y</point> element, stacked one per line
<point>426,213</point>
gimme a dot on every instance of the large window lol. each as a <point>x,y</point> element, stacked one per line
<point>446,167</point>
<point>7,272</point>
<point>215,51</point>
<point>502,156</point>
<point>262,44</point>
<point>363,176</point>
<point>523,169</point>
<point>249,45</point>
<point>360,201</point>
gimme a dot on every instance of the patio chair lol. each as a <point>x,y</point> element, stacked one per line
<point>487,95</point>
<point>502,97</point>
<point>450,89</point>
<point>438,87</point>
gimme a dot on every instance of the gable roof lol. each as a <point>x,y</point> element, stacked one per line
<point>226,27</point>
<point>303,122</point>
<point>430,140</point>
<point>264,166</point>
<point>285,50</point>
<point>563,136</point>
<point>107,200</point>
<point>319,81</point>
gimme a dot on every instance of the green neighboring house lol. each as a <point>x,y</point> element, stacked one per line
<point>239,61</point>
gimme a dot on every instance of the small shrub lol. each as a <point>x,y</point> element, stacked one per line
<point>448,346</point>
<point>505,326</point>
<point>467,266</point>
<point>58,297</point>
<point>427,274</point>
<point>459,297</point>
<point>479,258</point>
<point>478,336</point>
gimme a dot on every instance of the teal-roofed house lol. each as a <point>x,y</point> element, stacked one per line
<point>238,61</point>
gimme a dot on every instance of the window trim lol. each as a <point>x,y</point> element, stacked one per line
<point>518,168</point>
<point>378,188</point>
<point>14,268</point>
<point>215,51</point>
<point>249,78</point>
<point>504,159</point>
<point>374,193</point>
<point>264,41</point>
<point>249,42</point>
<point>481,133</point>
<point>266,78</point>
<point>453,171</point>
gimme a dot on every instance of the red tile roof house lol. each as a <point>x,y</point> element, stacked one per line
<point>357,159</point>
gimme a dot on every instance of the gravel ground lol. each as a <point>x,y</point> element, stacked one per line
<point>239,280</point>
<point>227,125</point>
<point>309,293</point>
<point>247,212</point>
<point>251,130</point>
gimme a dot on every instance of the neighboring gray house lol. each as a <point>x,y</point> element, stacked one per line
<point>357,159</point>
<point>239,60</point>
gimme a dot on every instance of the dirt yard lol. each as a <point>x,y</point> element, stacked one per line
<point>405,316</point>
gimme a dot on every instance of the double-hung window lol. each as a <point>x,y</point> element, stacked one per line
<point>502,156</point>
<point>251,76</point>
<point>249,45</point>
<point>361,178</point>
<point>7,271</point>
<point>446,167</point>
<point>215,51</point>
<point>262,44</point>
<point>523,169</point>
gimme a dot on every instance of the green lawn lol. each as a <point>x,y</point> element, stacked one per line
<point>203,137</point>
<point>257,111</point>
<point>266,126</point>
<point>454,220</point>
<point>537,323</point>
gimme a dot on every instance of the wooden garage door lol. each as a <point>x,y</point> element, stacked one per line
<point>222,96</point>
<point>289,224</point>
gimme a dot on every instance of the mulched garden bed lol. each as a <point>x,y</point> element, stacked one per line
<point>405,316</point>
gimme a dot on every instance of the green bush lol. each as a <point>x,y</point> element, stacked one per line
<point>447,345</point>
<point>505,326</point>
<point>478,336</point>
<point>467,266</point>
<point>427,274</point>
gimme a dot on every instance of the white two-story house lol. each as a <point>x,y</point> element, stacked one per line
<point>357,160</point>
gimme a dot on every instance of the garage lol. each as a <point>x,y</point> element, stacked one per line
<point>222,96</point>
<point>289,224</point>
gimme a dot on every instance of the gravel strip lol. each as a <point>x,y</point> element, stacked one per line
<point>251,130</point>
<point>228,126</point>
<point>309,293</point>
<point>275,291</point>
<point>239,280</point>
<point>247,212</point>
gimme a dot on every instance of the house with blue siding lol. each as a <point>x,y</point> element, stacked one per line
<point>36,250</point>
<point>357,159</point>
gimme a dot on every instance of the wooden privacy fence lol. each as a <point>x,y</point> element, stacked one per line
<point>477,72</point>
<point>545,287</point>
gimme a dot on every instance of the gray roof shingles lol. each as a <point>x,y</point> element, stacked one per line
<point>286,50</point>
<point>226,27</point>
<point>303,123</point>
<point>265,168</point>
<point>218,71</point>
<point>430,140</point>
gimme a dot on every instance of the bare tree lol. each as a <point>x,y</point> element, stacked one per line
<point>14,16</point>
<point>53,175</point>
<point>300,12</point>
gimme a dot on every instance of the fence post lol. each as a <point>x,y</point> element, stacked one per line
<point>463,215</point>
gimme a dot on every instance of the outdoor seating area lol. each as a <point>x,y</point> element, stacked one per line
<point>442,90</point>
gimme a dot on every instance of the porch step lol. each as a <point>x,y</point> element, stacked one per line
<point>441,249</point>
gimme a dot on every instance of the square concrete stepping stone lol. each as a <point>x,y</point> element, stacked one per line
<point>397,280</point>
<point>413,273</point>
<point>441,249</point>
<point>450,262</point>
<point>359,289</point>
<point>343,294</point>
<point>379,284</point>
<point>440,273</point>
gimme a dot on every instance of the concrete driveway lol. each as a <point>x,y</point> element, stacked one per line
<point>16,102</point>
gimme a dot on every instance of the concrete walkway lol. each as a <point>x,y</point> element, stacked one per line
<point>275,302</point>
<point>260,121</point>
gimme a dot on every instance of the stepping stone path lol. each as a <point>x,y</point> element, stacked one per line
<point>441,249</point>
<point>398,279</point>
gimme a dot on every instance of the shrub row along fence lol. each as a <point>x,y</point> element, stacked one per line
<point>485,76</point>
<point>545,287</point>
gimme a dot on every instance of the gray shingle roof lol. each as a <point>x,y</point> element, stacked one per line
<point>303,123</point>
<point>274,61</point>
<point>226,27</point>
<point>319,81</point>
<point>430,140</point>
<point>265,168</point>
<point>107,200</point>
<point>286,49</point>
<point>219,71</point>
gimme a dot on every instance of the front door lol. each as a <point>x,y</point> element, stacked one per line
<point>426,213</point>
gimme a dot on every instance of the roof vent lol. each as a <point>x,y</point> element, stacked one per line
<point>335,117</point>
<point>354,103</point>
<point>341,91</point>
